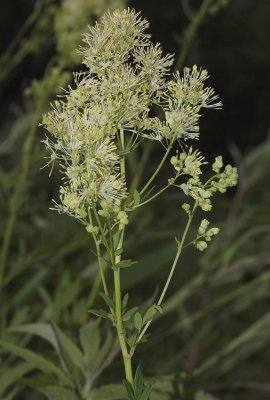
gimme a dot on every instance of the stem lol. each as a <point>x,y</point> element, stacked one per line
<point>117,289</point>
<point>175,261</point>
<point>101,276</point>
<point>153,197</point>
<point>141,165</point>
<point>157,170</point>
<point>120,327</point>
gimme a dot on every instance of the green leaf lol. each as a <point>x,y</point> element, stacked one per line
<point>147,391</point>
<point>58,393</point>
<point>45,331</point>
<point>138,321</point>
<point>108,392</point>
<point>136,198</point>
<point>39,381</point>
<point>108,300</point>
<point>125,263</point>
<point>90,340</point>
<point>159,309</point>
<point>125,301</point>
<point>131,339</point>
<point>116,238</point>
<point>138,382</point>
<point>129,390</point>
<point>36,360</point>
<point>102,314</point>
<point>149,314</point>
<point>70,354</point>
<point>118,252</point>
<point>129,314</point>
<point>12,375</point>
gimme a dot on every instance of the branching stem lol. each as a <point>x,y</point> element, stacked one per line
<point>175,261</point>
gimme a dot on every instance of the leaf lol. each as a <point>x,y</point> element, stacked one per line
<point>102,314</point>
<point>116,238</point>
<point>159,308</point>
<point>36,360</point>
<point>108,300</point>
<point>129,314</point>
<point>39,381</point>
<point>138,382</point>
<point>129,390</point>
<point>58,393</point>
<point>11,376</point>
<point>136,198</point>
<point>90,341</point>
<point>70,354</point>
<point>150,313</point>
<point>125,263</point>
<point>131,339</point>
<point>108,392</point>
<point>118,252</point>
<point>147,391</point>
<point>45,331</point>
<point>125,301</point>
<point>138,321</point>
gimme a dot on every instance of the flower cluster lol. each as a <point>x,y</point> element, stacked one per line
<point>126,75</point>
<point>181,103</point>
<point>189,164</point>
<point>101,119</point>
<point>204,235</point>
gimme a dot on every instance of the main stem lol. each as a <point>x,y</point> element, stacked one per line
<point>117,289</point>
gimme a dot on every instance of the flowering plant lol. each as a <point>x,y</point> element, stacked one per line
<point>93,131</point>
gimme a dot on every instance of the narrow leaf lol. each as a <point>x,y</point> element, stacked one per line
<point>138,382</point>
<point>136,198</point>
<point>108,392</point>
<point>36,360</point>
<point>11,376</point>
<point>90,341</point>
<point>58,393</point>
<point>138,321</point>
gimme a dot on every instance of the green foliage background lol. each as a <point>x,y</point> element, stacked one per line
<point>212,340</point>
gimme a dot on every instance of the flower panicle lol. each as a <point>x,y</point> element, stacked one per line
<point>126,75</point>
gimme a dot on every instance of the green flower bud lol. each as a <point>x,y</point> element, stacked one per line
<point>186,207</point>
<point>217,165</point>
<point>122,217</point>
<point>201,245</point>
<point>203,227</point>
<point>92,229</point>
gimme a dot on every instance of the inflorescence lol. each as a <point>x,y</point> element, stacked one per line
<point>125,76</point>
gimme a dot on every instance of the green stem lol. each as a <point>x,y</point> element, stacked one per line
<point>175,261</point>
<point>117,288</point>
<point>146,186</point>
<point>153,197</point>
<point>101,277</point>
<point>120,327</point>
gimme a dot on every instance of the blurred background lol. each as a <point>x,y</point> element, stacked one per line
<point>212,340</point>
